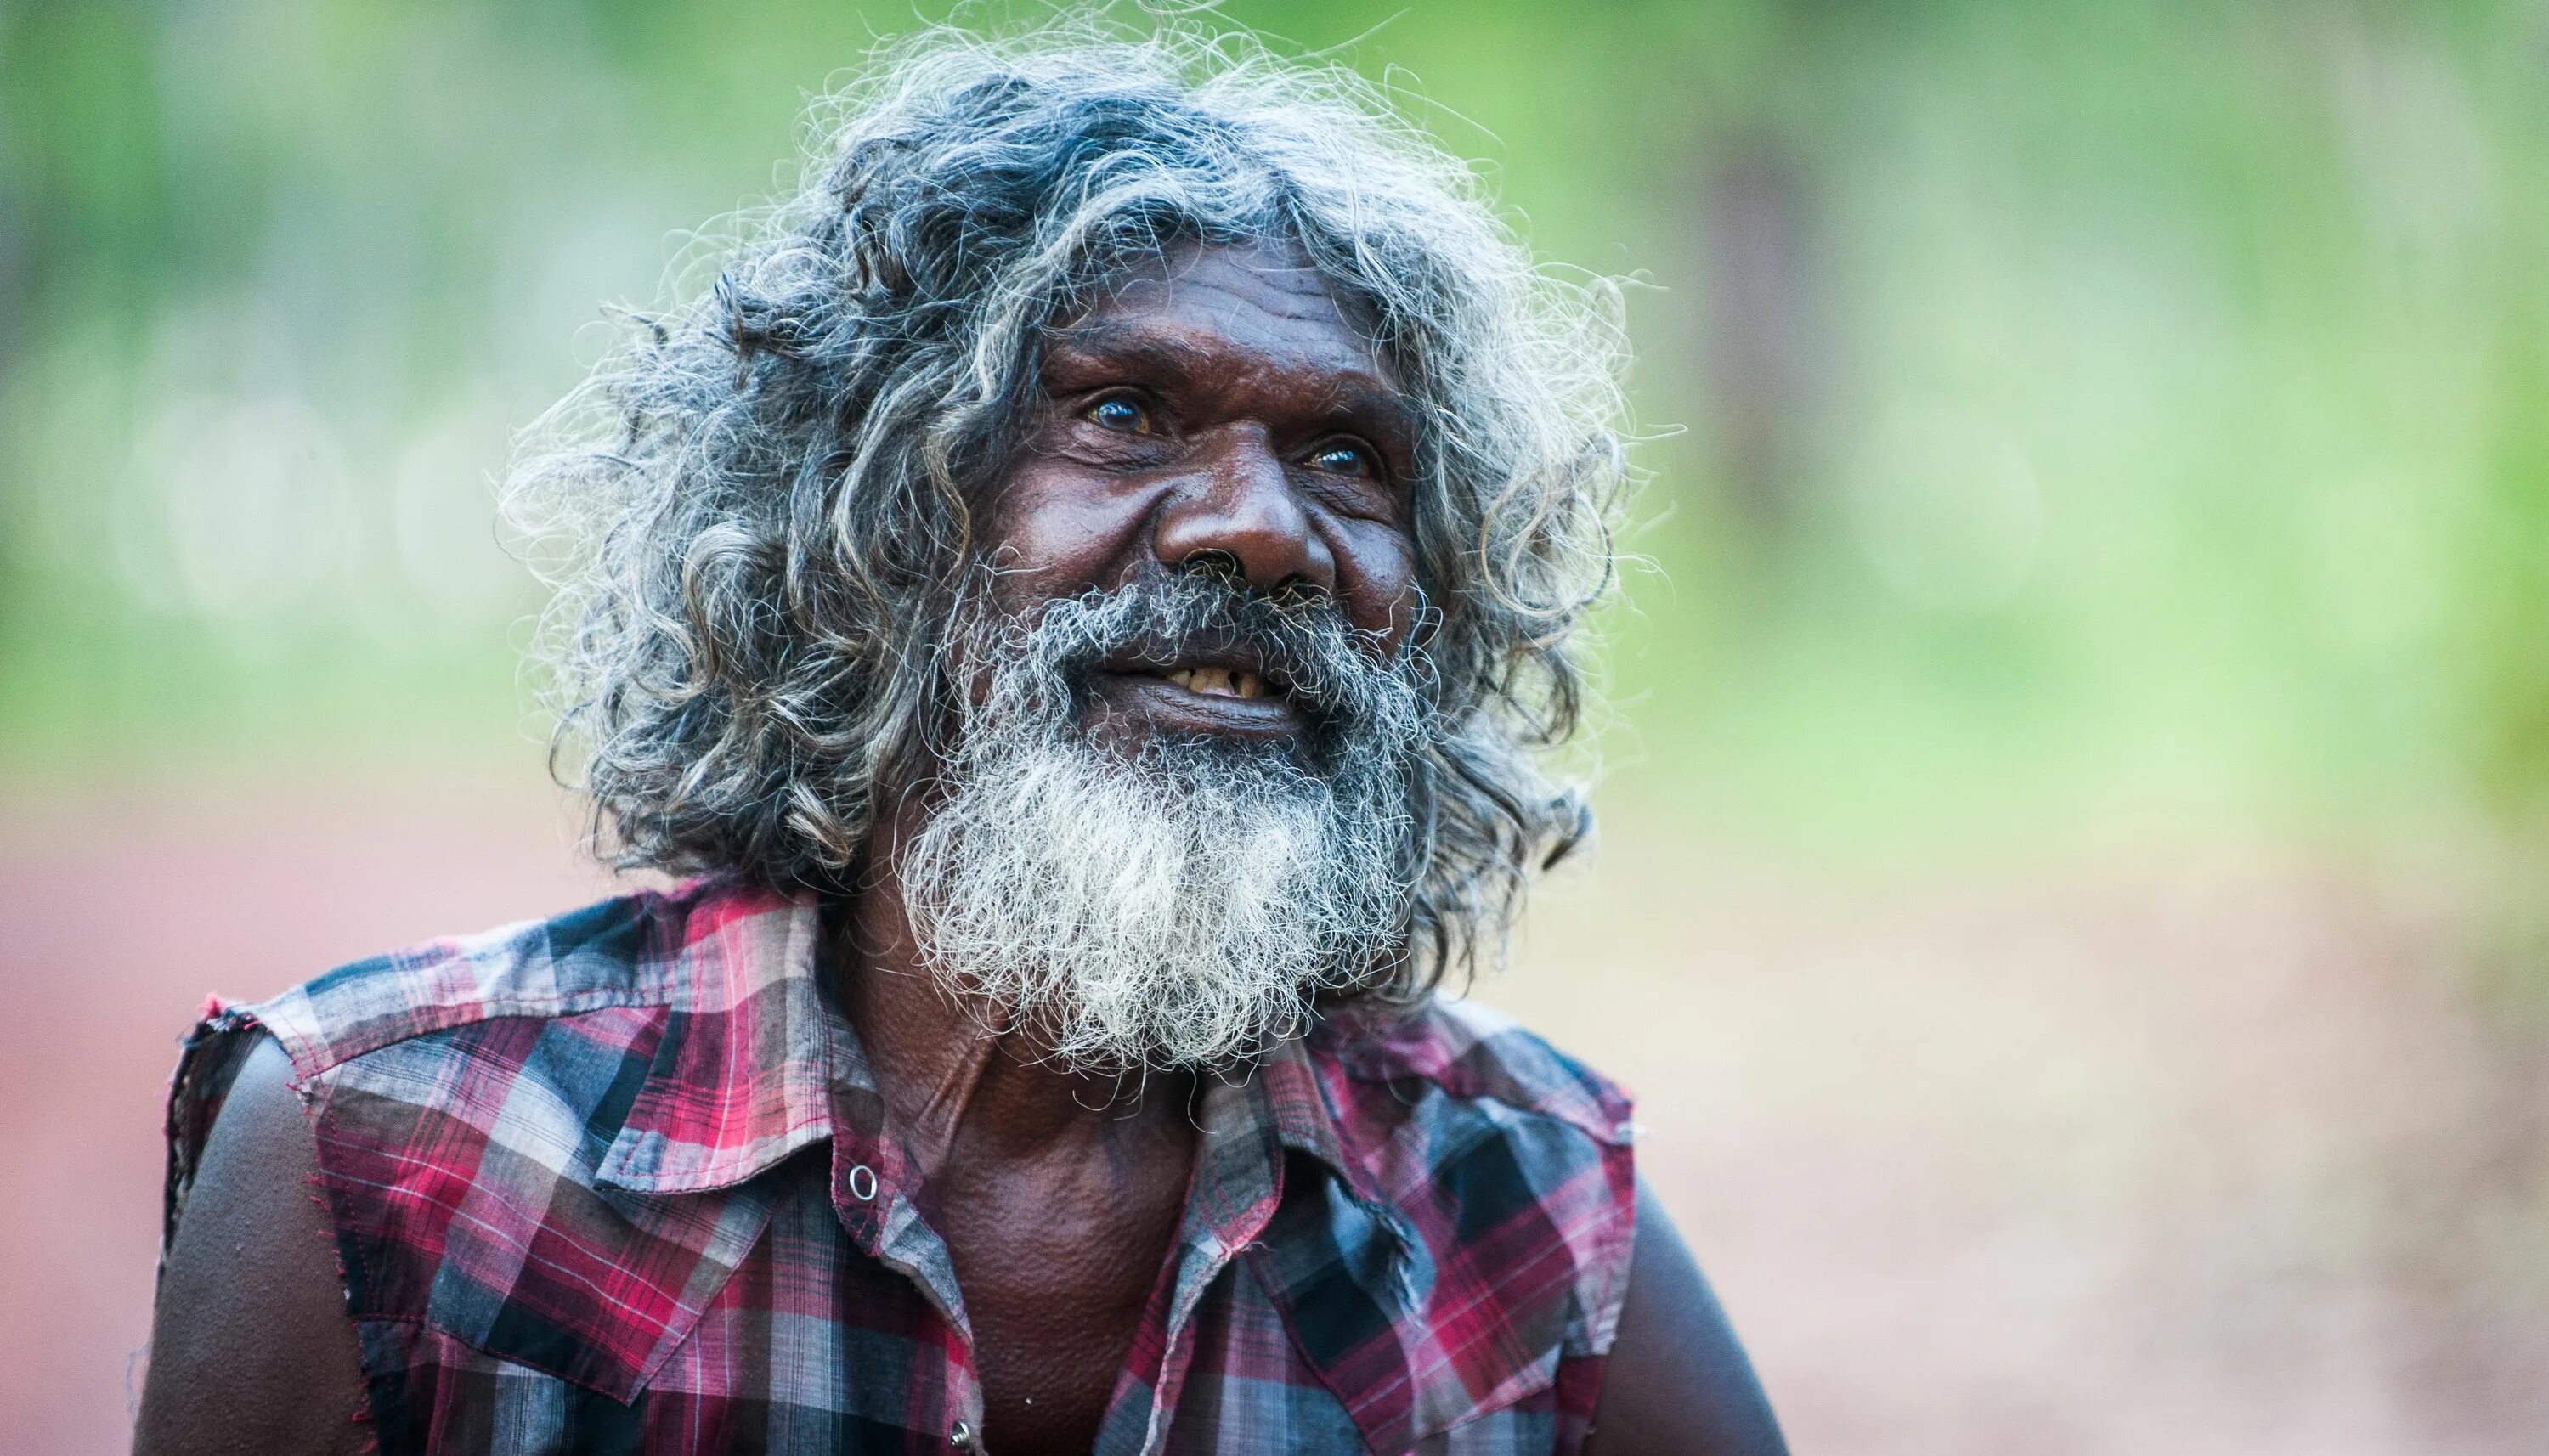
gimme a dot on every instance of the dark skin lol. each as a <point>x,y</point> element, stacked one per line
<point>1058,1195</point>
<point>1221,408</point>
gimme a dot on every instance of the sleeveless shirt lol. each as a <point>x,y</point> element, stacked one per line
<point>622,1181</point>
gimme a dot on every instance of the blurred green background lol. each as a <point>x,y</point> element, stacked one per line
<point>2078,753</point>
<point>2086,412</point>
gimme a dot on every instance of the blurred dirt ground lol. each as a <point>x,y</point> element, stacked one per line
<point>2182,1153</point>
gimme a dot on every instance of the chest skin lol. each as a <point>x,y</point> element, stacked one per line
<point>1058,1252</point>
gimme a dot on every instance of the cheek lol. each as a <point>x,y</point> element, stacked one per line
<point>1376,580</point>
<point>1051,532</point>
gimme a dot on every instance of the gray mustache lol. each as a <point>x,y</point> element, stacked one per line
<point>1305,647</point>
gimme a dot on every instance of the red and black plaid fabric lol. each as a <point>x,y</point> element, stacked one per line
<point>623,1182</point>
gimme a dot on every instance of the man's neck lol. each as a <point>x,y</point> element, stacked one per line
<point>1057,1194</point>
<point>955,1080</point>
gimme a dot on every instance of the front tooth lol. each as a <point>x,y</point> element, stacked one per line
<point>1184,677</point>
<point>1215,680</point>
<point>1248,684</point>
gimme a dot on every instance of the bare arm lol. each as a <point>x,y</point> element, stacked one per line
<point>1677,1383</point>
<point>251,1353</point>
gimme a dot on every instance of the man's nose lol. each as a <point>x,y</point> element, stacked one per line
<point>1241,506</point>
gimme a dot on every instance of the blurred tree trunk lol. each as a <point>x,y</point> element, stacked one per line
<point>1764,345</point>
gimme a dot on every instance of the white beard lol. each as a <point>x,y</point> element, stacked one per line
<point>1180,907</point>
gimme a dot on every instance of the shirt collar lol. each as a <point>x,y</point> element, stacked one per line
<point>741,1075</point>
<point>1292,1098</point>
<point>755,1064</point>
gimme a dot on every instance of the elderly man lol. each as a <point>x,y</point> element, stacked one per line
<point>1074,610</point>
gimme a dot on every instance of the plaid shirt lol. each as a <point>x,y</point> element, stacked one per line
<point>622,1181</point>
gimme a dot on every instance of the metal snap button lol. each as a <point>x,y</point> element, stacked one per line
<point>863,1183</point>
<point>961,1435</point>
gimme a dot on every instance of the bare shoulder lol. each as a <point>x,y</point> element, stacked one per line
<point>250,1347</point>
<point>1677,1383</point>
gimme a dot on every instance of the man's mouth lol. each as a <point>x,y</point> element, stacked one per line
<point>1219,699</point>
<point>1213,682</point>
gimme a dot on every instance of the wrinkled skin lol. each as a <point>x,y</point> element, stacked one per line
<point>1223,407</point>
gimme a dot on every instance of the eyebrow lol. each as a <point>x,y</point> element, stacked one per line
<point>1362,398</point>
<point>1129,349</point>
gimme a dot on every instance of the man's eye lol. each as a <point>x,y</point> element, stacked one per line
<point>1120,414</point>
<point>1345,458</point>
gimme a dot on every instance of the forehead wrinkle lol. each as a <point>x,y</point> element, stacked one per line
<point>1184,350</point>
<point>1300,292</point>
<point>1263,287</point>
<point>1236,307</point>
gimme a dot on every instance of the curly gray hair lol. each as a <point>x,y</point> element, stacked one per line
<point>766,493</point>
